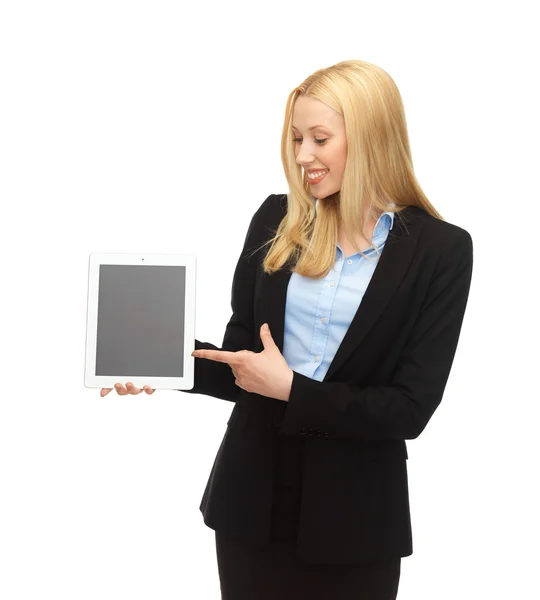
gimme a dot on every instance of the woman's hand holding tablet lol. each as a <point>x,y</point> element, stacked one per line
<point>128,389</point>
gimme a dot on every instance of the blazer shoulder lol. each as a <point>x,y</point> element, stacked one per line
<point>274,204</point>
<point>270,213</point>
<point>264,223</point>
<point>437,232</point>
<point>280,203</point>
<point>437,240</point>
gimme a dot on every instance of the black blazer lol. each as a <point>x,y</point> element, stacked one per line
<point>383,385</point>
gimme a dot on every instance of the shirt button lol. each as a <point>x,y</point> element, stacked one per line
<point>323,320</point>
<point>350,261</point>
<point>331,283</point>
<point>315,358</point>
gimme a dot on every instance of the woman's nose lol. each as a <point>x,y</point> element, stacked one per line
<point>304,158</point>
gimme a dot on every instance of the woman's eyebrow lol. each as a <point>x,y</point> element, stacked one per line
<point>310,128</point>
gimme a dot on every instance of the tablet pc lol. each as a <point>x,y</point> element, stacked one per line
<point>140,320</point>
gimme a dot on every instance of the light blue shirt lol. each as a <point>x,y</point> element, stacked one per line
<point>319,311</point>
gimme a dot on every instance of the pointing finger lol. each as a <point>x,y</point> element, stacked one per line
<point>217,355</point>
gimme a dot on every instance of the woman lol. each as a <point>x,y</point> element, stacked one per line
<point>364,288</point>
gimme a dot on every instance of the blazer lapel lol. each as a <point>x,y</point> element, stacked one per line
<point>389,272</point>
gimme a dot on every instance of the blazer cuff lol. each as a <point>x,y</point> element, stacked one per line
<point>329,409</point>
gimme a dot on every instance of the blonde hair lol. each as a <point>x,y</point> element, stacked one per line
<point>378,173</point>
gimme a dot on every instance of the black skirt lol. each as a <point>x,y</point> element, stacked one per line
<point>273,573</point>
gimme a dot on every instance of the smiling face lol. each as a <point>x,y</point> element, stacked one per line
<point>320,144</point>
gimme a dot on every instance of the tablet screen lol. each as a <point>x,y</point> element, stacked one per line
<point>141,320</point>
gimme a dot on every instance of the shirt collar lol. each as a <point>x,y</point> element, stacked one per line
<point>386,220</point>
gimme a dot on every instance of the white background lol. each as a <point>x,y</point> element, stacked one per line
<point>155,127</point>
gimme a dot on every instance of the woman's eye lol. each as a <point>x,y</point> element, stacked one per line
<point>320,142</point>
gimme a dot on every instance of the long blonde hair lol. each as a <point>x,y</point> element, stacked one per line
<point>378,174</point>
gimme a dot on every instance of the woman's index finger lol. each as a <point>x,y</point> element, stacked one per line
<point>217,355</point>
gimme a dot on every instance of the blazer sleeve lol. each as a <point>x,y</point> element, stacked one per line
<point>212,378</point>
<point>402,409</point>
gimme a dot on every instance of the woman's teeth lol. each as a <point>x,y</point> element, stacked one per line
<point>316,177</point>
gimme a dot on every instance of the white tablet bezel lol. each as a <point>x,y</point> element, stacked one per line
<point>91,380</point>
